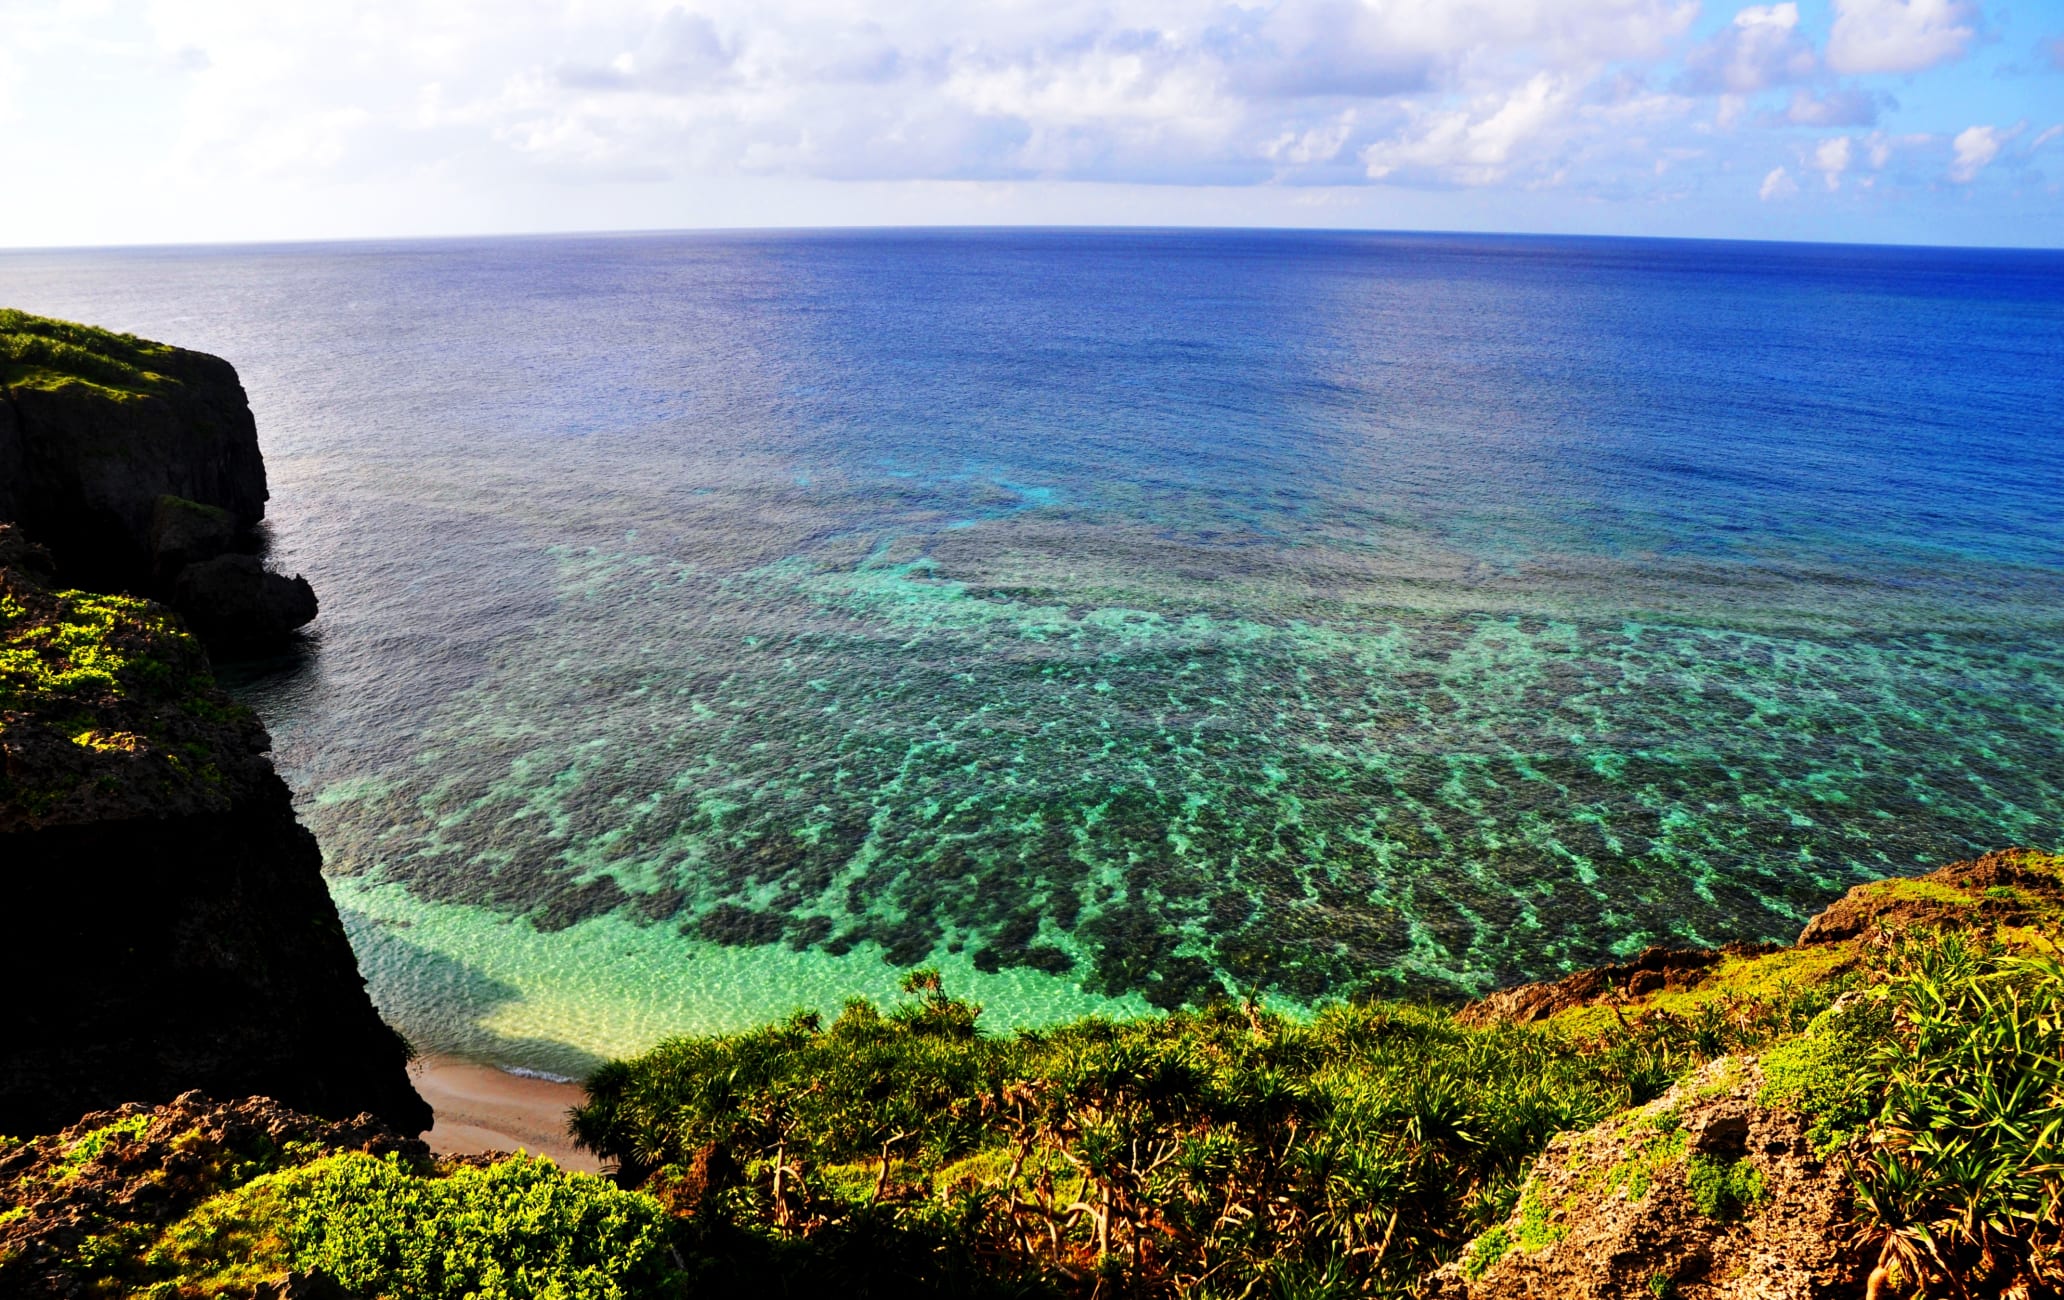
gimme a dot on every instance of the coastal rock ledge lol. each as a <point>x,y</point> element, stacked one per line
<point>137,465</point>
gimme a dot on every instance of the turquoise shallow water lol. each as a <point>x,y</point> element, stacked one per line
<point>716,625</point>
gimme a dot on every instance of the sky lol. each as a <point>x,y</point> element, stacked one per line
<point>1880,121</point>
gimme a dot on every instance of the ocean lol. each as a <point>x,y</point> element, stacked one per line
<point>717,625</point>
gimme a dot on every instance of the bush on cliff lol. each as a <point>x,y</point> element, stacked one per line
<point>519,1229</point>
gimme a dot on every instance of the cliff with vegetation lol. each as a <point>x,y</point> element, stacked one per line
<point>1874,1111</point>
<point>170,926</point>
<point>137,465</point>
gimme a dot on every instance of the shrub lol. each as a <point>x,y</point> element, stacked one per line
<point>521,1229</point>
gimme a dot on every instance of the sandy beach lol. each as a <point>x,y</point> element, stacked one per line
<point>480,1108</point>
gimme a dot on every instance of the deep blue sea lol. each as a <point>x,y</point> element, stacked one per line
<point>716,624</point>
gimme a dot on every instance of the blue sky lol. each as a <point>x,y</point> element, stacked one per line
<point>165,121</point>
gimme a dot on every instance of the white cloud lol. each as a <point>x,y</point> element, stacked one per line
<point>1976,147</point>
<point>1831,159</point>
<point>1832,108</point>
<point>512,113</point>
<point>1777,185</point>
<point>1477,144</point>
<point>1074,89</point>
<point>1880,148</point>
<point>1899,35</point>
<point>2048,134</point>
<point>1762,47</point>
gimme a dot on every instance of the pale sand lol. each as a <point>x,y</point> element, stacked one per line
<point>479,1108</point>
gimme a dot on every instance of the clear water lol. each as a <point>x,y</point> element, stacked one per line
<point>712,625</point>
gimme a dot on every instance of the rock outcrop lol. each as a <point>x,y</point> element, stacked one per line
<point>169,926</point>
<point>133,461</point>
<point>1703,1194</point>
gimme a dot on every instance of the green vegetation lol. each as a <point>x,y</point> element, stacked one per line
<point>1818,1073</point>
<point>37,352</point>
<point>87,645</point>
<point>1724,1189</point>
<point>1663,1148</point>
<point>521,1229</point>
<point>111,694</point>
<point>90,1146</point>
<point>1218,1152</point>
<point>1960,1177</point>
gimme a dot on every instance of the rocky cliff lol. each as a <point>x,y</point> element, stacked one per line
<point>169,927</point>
<point>137,465</point>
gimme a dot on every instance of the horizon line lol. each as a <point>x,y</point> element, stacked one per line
<point>995,228</point>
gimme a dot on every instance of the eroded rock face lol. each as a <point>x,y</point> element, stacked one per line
<point>2005,887</point>
<point>233,602</point>
<point>1703,1194</point>
<point>135,463</point>
<point>1654,970</point>
<point>168,926</point>
<point>186,532</point>
<point>89,462</point>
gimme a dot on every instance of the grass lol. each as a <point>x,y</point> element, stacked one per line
<point>519,1229</point>
<point>1725,1189</point>
<point>38,352</point>
<point>89,1147</point>
<point>89,644</point>
<point>1959,1169</point>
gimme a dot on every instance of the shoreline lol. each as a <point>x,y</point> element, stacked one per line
<point>480,1108</point>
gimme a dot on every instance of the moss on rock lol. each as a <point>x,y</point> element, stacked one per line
<point>43,353</point>
<point>108,708</point>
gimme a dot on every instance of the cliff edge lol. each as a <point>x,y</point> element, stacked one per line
<point>137,465</point>
<point>169,925</point>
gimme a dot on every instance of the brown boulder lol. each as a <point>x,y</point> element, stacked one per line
<point>1703,1194</point>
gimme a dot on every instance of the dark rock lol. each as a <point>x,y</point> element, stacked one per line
<point>23,556</point>
<point>186,532</point>
<point>1721,1131</point>
<point>235,603</point>
<point>156,955</point>
<point>82,466</point>
<point>166,922</point>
